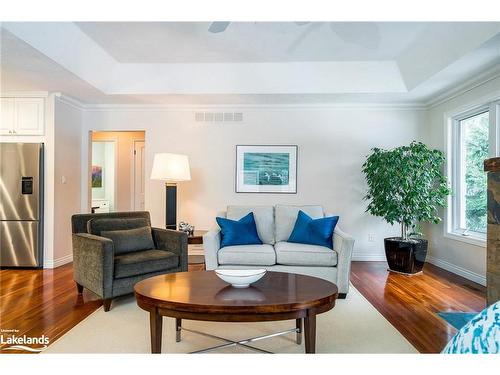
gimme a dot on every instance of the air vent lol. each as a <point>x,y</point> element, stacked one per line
<point>218,116</point>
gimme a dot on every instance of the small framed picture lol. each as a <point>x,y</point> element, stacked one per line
<point>266,169</point>
<point>96,176</point>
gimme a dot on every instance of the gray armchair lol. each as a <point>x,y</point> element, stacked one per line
<point>114,251</point>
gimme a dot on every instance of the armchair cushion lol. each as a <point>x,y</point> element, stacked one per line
<point>97,225</point>
<point>254,255</point>
<point>145,261</point>
<point>294,254</point>
<point>129,240</point>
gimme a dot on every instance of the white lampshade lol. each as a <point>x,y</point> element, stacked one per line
<point>171,167</point>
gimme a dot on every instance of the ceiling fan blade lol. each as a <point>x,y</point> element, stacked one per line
<point>363,34</point>
<point>218,27</point>
<point>303,35</point>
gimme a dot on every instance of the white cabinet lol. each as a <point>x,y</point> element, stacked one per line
<point>22,116</point>
<point>7,119</point>
<point>100,206</point>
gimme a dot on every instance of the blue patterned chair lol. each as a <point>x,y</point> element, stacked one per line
<point>480,336</point>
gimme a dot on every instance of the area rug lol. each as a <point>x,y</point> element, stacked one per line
<point>353,326</point>
<point>457,319</point>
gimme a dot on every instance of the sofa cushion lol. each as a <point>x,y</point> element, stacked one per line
<point>286,216</point>
<point>254,255</point>
<point>294,254</point>
<point>129,240</point>
<point>146,261</point>
<point>95,226</point>
<point>264,219</point>
<point>313,231</point>
<point>238,232</point>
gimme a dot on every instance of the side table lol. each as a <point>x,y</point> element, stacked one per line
<point>196,262</point>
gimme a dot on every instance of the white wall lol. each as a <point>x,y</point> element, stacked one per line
<point>68,142</point>
<point>333,143</point>
<point>459,257</point>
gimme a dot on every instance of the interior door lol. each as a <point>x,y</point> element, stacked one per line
<point>139,179</point>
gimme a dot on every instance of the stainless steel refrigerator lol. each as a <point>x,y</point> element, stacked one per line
<point>21,204</point>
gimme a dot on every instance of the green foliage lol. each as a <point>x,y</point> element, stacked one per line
<point>406,185</point>
<point>476,150</point>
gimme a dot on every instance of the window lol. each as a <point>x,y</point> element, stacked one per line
<point>474,144</point>
<point>473,139</point>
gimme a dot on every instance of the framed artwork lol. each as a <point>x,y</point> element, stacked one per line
<point>96,176</point>
<point>266,169</point>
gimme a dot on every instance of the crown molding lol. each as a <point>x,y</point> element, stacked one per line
<point>24,94</point>
<point>66,99</point>
<point>235,107</point>
<point>471,84</point>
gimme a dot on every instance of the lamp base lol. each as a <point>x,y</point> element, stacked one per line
<point>171,206</point>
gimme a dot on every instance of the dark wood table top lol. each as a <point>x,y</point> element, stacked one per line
<point>205,292</point>
<point>197,237</point>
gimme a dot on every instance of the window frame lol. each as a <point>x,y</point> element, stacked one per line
<point>454,166</point>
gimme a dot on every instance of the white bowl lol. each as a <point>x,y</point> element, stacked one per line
<point>240,278</point>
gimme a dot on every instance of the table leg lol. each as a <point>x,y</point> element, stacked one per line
<point>178,328</point>
<point>310,331</point>
<point>155,325</point>
<point>298,323</point>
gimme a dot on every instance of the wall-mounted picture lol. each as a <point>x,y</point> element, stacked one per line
<point>96,176</point>
<point>266,169</point>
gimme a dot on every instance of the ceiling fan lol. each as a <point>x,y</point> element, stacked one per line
<point>218,27</point>
<point>366,34</point>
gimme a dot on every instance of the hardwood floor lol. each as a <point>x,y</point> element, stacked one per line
<point>42,302</point>
<point>37,302</point>
<point>411,303</point>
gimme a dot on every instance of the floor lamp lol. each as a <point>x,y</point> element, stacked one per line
<point>171,168</point>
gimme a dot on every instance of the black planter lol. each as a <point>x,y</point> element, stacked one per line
<point>405,256</point>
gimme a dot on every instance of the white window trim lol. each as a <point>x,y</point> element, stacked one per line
<point>450,119</point>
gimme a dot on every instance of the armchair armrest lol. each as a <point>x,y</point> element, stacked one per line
<point>93,263</point>
<point>174,241</point>
<point>343,245</point>
<point>211,245</point>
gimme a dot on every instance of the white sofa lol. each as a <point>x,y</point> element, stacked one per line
<point>274,226</point>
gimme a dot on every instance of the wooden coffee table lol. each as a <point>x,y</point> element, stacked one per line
<point>201,295</point>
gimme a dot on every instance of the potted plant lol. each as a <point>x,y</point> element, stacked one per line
<point>406,185</point>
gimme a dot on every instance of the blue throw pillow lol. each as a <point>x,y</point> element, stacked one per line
<point>313,231</point>
<point>238,232</point>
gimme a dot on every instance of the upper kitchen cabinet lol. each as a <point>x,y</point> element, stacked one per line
<point>22,116</point>
<point>7,112</point>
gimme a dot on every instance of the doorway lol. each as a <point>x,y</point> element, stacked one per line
<point>139,179</point>
<point>116,171</point>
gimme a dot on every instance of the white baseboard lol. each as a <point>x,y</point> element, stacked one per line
<point>364,257</point>
<point>58,262</point>
<point>477,278</point>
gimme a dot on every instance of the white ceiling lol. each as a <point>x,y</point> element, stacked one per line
<point>189,42</point>
<point>250,63</point>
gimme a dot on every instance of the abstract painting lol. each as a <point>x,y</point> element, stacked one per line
<point>266,169</point>
<point>96,176</point>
